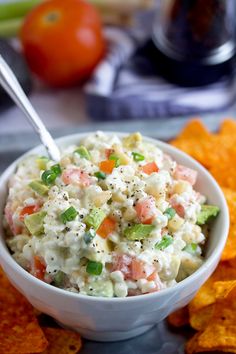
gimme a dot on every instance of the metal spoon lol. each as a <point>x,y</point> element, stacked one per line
<point>11,85</point>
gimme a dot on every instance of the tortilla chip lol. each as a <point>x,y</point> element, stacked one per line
<point>199,150</point>
<point>230,196</point>
<point>228,127</point>
<point>62,341</point>
<point>223,288</point>
<point>207,295</point>
<point>200,319</point>
<point>220,332</point>
<point>193,346</point>
<point>19,329</point>
<point>179,318</point>
<point>230,247</point>
<point>224,169</point>
<point>193,129</point>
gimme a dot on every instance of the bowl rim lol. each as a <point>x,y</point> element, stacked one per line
<point>66,140</point>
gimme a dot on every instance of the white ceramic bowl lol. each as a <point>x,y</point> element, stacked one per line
<point>104,319</point>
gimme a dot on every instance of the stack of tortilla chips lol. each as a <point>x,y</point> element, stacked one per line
<point>212,313</point>
<point>20,332</point>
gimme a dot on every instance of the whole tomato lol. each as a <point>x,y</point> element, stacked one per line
<point>63,41</point>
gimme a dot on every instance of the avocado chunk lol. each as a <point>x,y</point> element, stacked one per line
<point>83,152</point>
<point>138,232</point>
<point>95,218</point>
<point>59,279</point>
<point>42,162</point>
<point>34,223</point>
<point>100,288</point>
<point>39,188</point>
<point>207,213</point>
<point>132,140</point>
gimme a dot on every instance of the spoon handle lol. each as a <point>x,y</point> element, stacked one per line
<point>11,85</point>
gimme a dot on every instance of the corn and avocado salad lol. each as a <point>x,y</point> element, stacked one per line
<point>116,217</point>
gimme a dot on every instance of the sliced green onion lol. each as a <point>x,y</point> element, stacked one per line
<point>48,177</point>
<point>94,268</point>
<point>116,159</point>
<point>83,152</point>
<point>89,236</point>
<point>95,218</point>
<point>56,169</point>
<point>100,175</point>
<point>166,241</point>
<point>137,157</point>
<point>69,215</point>
<point>170,213</point>
<point>138,232</point>
<point>191,248</point>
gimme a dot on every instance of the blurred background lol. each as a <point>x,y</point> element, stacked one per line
<point>134,64</point>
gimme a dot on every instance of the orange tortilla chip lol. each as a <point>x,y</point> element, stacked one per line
<point>200,319</point>
<point>62,341</point>
<point>230,247</point>
<point>207,294</point>
<point>193,346</point>
<point>193,129</point>
<point>228,127</point>
<point>230,196</point>
<point>179,318</point>
<point>220,332</point>
<point>19,328</point>
<point>223,288</point>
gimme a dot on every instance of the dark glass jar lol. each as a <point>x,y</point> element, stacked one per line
<point>196,36</point>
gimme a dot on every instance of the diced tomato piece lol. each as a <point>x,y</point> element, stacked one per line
<point>14,227</point>
<point>179,208</point>
<point>155,277</point>
<point>107,166</point>
<point>146,210</point>
<point>140,270</point>
<point>76,176</point>
<point>28,210</point>
<point>38,268</point>
<point>108,152</point>
<point>123,264</point>
<point>186,174</point>
<point>107,227</point>
<point>149,168</point>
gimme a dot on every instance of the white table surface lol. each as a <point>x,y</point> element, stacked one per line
<point>57,108</point>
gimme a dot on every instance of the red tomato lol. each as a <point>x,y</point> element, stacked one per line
<point>63,41</point>
<point>146,210</point>
<point>76,176</point>
<point>38,268</point>
<point>141,270</point>
<point>28,210</point>
<point>123,264</point>
<point>106,228</point>
<point>186,174</point>
<point>150,168</point>
<point>179,208</point>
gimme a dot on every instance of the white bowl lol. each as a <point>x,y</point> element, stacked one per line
<point>105,319</point>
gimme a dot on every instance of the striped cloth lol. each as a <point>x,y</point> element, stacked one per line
<point>126,84</point>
